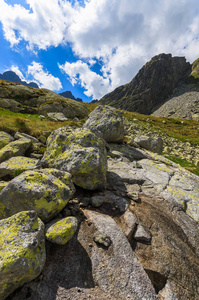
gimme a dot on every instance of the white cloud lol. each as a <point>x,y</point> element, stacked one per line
<point>43,78</point>
<point>18,72</point>
<point>123,34</point>
<point>80,73</point>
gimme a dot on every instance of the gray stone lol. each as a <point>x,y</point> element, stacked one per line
<point>97,201</point>
<point>57,116</point>
<point>151,144</point>
<point>102,238</point>
<point>128,222</point>
<point>19,135</point>
<point>79,152</point>
<point>107,123</point>
<point>141,235</point>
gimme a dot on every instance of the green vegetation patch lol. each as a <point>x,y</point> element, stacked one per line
<point>184,163</point>
<point>12,122</point>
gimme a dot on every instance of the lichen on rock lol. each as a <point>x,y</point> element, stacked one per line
<point>15,148</point>
<point>22,250</point>
<point>79,152</point>
<point>107,123</point>
<point>16,165</point>
<point>38,190</point>
<point>61,231</point>
<point>5,139</point>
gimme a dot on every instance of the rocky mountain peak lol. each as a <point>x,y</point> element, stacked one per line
<point>152,85</point>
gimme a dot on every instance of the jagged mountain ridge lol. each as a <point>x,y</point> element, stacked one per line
<point>152,86</point>
<point>13,77</point>
<point>68,94</point>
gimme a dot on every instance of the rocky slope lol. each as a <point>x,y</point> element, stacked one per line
<point>120,222</point>
<point>19,98</point>
<point>163,77</point>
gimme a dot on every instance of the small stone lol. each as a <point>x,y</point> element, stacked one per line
<point>102,238</point>
<point>84,201</point>
<point>141,235</point>
<point>97,201</point>
<point>133,196</point>
<point>62,231</point>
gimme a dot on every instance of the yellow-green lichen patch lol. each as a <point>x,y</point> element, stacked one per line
<point>15,148</point>
<point>81,153</point>
<point>188,199</point>
<point>16,165</point>
<point>5,139</point>
<point>22,250</point>
<point>38,190</point>
<point>62,231</point>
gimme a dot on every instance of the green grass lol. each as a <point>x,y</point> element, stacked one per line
<point>180,129</point>
<point>183,163</point>
<point>12,122</point>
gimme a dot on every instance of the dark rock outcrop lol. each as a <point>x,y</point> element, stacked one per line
<point>153,84</point>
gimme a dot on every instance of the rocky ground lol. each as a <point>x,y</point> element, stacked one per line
<point>102,220</point>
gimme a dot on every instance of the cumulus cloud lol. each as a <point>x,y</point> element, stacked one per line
<point>18,72</point>
<point>122,34</point>
<point>80,73</point>
<point>43,78</point>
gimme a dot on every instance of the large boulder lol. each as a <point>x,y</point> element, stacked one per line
<point>15,148</point>
<point>16,165</point>
<point>80,153</point>
<point>22,251</point>
<point>5,139</point>
<point>39,190</point>
<point>117,270</point>
<point>107,123</point>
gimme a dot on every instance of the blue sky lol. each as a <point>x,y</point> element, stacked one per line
<point>91,47</point>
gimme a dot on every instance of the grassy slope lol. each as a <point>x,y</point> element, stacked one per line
<point>182,130</point>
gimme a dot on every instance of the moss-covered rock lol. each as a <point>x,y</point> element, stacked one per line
<point>5,139</point>
<point>61,231</point>
<point>79,152</point>
<point>22,251</point>
<point>107,123</point>
<point>16,165</point>
<point>15,148</point>
<point>38,190</point>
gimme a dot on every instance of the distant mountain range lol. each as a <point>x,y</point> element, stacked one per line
<point>13,77</point>
<point>69,95</point>
<point>159,82</point>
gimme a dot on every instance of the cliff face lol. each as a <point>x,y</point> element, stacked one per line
<point>153,84</point>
